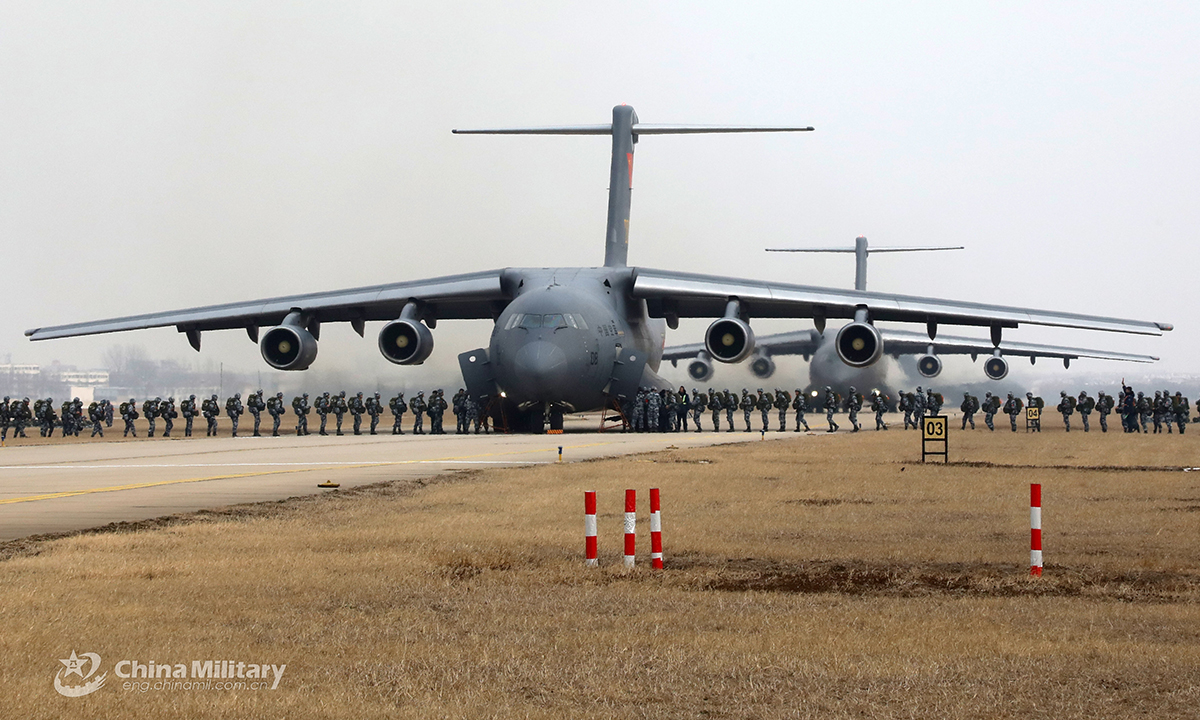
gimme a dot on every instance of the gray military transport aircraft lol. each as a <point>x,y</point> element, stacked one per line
<point>579,339</point>
<point>826,368</point>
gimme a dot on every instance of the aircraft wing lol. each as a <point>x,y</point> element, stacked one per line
<point>471,296</point>
<point>797,342</point>
<point>669,293</point>
<point>900,342</point>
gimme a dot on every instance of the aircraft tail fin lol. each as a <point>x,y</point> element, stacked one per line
<point>861,251</point>
<point>625,130</point>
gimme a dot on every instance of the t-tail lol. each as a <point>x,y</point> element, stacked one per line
<point>625,129</point>
<point>861,251</point>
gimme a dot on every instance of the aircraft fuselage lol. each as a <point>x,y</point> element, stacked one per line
<point>556,342</point>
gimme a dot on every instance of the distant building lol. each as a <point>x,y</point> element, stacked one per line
<point>84,378</point>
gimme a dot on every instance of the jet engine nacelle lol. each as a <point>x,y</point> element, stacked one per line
<point>729,340</point>
<point>289,347</point>
<point>929,366</point>
<point>762,366</point>
<point>405,342</point>
<point>700,369</point>
<point>996,368</point>
<point>859,344</point>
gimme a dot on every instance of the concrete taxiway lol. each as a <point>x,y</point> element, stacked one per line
<point>74,486</point>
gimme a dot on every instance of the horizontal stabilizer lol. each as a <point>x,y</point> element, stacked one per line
<point>637,129</point>
<point>873,250</point>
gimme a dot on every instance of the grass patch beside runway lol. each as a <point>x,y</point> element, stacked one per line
<point>814,576</point>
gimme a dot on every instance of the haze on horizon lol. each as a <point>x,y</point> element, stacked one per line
<point>159,157</point>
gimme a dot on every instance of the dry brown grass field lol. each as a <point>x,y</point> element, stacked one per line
<point>807,576</point>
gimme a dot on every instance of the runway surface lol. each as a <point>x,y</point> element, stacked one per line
<point>63,486</point>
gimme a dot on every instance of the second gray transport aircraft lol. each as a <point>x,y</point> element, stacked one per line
<point>580,338</point>
<point>825,368</point>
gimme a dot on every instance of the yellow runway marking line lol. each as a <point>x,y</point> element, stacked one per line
<point>160,483</point>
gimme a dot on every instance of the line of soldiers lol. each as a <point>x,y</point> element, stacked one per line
<point>652,410</point>
<point>20,414</point>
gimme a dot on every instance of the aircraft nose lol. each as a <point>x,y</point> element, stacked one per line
<point>540,363</point>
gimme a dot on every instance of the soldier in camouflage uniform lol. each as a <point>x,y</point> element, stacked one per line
<point>1143,410</point>
<point>764,404</point>
<point>374,410</point>
<point>638,412</point>
<point>933,402</point>
<point>1183,411</point>
<point>666,416</point>
<point>418,407</point>
<point>356,408</point>
<point>96,416</point>
<point>918,407</point>
<point>276,409</point>
<point>991,404</point>
<point>460,412</point>
<point>1012,407</point>
<point>398,408</point>
<point>21,416</point>
<point>129,413</point>
<point>1085,405</point>
<point>715,403</point>
<point>783,401</point>
<point>51,416</point>
<point>1156,411</point>
<point>210,409</point>
<point>233,409</point>
<point>472,408</point>
<point>5,419</point>
<point>730,401</point>
<point>150,411</point>
<point>969,406</point>
<point>654,410</point>
<point>1104,405</point>
<point>853,405</point>
<point>108,413</point>
<point>337,405</point>
<point>831,406</point>
<point>1066,406</point>
<point>301,408</point>
<point>747,404</point>
<point>1168,410</point>
<point>437,410</point>
<point>879,406</point>
<point>188,409</point>
<point>698,404</point>
<point>255,405</point>
<point>904,405</point>
<point>322,405</point>
<point>799,404</point>
<point>166,410</point>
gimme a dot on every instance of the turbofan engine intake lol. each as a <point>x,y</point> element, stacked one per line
<point>996,368</point>
<point>405,342</point>
<point>700,369</point>
<point>289,347</point>
<point>859,344</point>
<point>762,366</point>
<point>729,340</point>
<point>929,366</point>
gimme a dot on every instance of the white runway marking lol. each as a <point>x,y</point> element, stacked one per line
<point>277,464</point>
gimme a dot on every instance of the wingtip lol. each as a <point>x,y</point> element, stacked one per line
<point>1165,327</point>
<point>29,333</point>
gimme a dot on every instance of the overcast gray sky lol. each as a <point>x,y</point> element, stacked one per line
<point>158,156</point>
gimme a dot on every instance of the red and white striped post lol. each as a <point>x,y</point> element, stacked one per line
<point>630,526</point>
<point>589,528</point>
<point>1035,529</point>
<point>656,560</point>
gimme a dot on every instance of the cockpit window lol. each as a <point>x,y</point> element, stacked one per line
<point>554,321</point>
